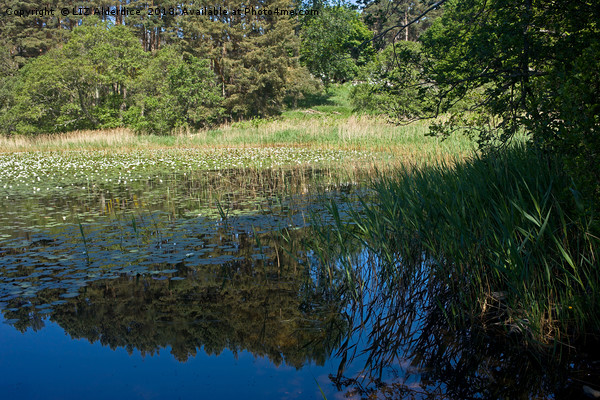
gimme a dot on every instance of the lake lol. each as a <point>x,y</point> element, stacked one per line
<point>167,283</point>
<point>190,274</point>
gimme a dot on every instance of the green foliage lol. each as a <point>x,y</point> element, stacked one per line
<point>302,88</point>
<point>574,127</point>
<point>45,98</point>
<point>173,92</point>
<point>262,68</point>
<point>255,58</point>
<point>29,36</point>
<point>102,78</point>
<point>382,16</point>
<point>391,83</point>
<point>229,67</point>
<point>105,61</point>
<point>531,65</point>
<point>84,84</point>
<point>333,44</point>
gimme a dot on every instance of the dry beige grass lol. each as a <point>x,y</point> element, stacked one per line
<point>115,138</point>
<point>403,144</point>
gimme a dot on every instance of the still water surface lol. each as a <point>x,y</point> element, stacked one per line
<point>52,364</point>
<point>179,286</point>
<point>200,285</point>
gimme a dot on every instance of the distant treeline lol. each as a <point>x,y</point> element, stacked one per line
<point>161,70</point>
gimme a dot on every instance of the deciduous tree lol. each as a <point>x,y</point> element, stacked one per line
<point>335,44</point>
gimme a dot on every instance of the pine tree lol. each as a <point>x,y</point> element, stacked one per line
<point>32,35</point>
<point>155,26</point>
<point>255,57</point>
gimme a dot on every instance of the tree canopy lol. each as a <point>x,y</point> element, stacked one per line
<point>88,72</point>
<point>497,69</point>
<point>528,66</point>
<point>335,44</point>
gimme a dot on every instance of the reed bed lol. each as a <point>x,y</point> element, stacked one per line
<point>98,139</point>
<point>501,243</point>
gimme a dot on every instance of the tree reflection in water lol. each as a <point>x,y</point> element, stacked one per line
<point>270,311</point>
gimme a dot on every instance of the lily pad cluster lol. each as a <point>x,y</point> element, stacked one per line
<point>34,173</point>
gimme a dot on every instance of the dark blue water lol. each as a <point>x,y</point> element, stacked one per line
<point>49,364</point>
<point>128,294</point>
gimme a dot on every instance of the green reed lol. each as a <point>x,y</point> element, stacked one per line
<point>85,246</point>
<point>503,242</point>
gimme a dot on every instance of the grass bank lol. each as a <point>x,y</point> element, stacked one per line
<point>322,131</point>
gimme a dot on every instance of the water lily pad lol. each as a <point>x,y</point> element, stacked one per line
<point>69,295</point>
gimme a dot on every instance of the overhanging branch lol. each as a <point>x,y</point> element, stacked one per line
<point>404,26</point>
